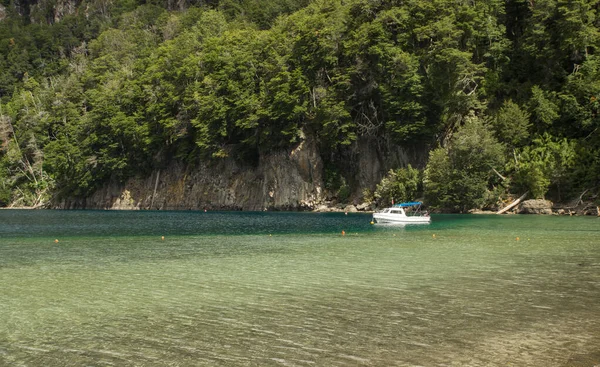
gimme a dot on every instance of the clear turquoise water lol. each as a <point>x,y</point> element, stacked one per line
<point>287,289</point>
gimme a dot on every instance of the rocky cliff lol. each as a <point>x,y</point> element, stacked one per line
<point>290,180</point>
<point>42,11</point>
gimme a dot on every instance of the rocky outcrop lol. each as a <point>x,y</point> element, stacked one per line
<point>63,8</point>
<point>44,11</point>
<point>536,206</point>
<point>282,181</point>
<point>375,157</point>
<point>285,180</point>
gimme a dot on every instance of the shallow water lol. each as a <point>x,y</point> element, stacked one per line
<point>270,289</point>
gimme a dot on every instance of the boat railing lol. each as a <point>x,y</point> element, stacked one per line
<point>410,209</point>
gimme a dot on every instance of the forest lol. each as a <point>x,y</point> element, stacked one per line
<point>504,94</point>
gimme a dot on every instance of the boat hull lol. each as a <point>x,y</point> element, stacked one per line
<point>392,218</point>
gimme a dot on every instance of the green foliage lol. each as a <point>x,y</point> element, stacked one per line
<point>387,83</point>
<point>544,111</point>
<point>458,177</point>
<point>261,13</point>
<point>548,161</point>
<point>437,178</point>
<point>579,101</point>
<point>512,124</point>
<point>124,87</point>
<point>24,178</point>
<point>336,184</point>
<point>343,193</point>
<point>368,195</point>
<point>5,192</point>
<point>403,184</point>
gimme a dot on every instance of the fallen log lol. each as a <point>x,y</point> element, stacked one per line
<point>513,204</point>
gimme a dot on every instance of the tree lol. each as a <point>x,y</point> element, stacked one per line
<point>22,155</point>
<point>512,124</point>
<point>403,184</point>
<point>547,162</point>
<point>543,110</point>
<point>458,176</point>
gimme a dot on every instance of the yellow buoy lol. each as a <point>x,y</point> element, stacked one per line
<point>55,241</point>
<point>162,238</point>
<point>517,238</point>
<point>372,222</point>
<point>433,236</point>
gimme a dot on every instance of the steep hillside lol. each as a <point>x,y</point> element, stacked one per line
<point>466,104</point>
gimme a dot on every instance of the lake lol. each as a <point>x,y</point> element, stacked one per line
<point>177,288</point>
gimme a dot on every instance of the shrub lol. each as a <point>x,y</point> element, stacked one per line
<point>403,184</point>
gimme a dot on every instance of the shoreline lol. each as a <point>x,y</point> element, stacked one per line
<point>588,209</point>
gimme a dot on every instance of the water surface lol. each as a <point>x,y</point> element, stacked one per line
<point>287,289</point>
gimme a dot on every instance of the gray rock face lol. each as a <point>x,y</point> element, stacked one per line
<point>63,8</point>
<point>374,158</point>
<point>536,206</point>
<point>282,181</point>
<point>42,11</point>
<point>287,180</point>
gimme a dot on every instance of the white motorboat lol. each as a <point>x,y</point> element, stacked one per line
<point>398,214</point>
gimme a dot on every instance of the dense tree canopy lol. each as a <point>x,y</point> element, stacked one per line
<point>494,88</point>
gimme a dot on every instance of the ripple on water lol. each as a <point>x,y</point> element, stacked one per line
<point>468,297</point>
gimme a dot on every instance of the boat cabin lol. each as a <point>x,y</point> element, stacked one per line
<point>397,211</point>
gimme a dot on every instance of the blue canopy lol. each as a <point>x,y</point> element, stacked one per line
<point>411,203</point>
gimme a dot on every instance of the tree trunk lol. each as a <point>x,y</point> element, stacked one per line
<point>513,204</point>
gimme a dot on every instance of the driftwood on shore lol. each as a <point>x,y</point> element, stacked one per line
<point>513,204</point>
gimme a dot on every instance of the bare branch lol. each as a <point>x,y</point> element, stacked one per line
<point>498,173</point>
